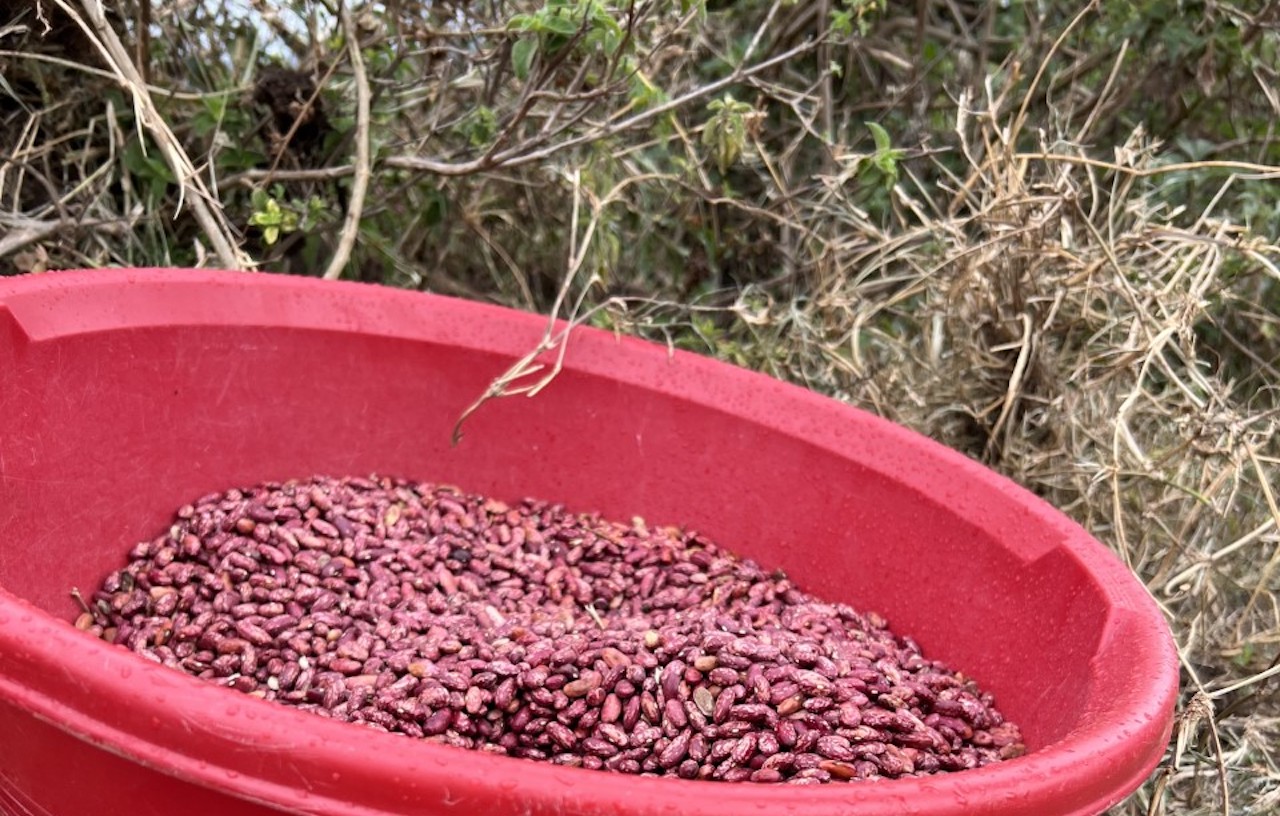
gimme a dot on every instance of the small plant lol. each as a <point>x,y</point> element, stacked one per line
<point>728,129</point>
<point>274,219</point>
<point>855,15</point>
<point>884,161</point>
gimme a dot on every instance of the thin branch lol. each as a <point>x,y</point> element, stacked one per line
<point>1012,394</point>
<point>507,383</point>
<point>514,157</point>
<point>252,178</point>
<point>272,18</point>
<point>1258,172</point>
<point>23,232</point>
<point>71,65</point>
<point>526,366</point>
<point>1021,118</point>
<point>359,185</point>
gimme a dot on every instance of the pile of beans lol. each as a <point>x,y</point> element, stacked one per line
<point>534,632</point>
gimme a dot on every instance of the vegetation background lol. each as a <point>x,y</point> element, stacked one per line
<point>1044,233</point>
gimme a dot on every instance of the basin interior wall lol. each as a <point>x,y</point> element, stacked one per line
<point>106,431</point>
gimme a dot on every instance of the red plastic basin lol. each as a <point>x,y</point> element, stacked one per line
<point>125,394</point>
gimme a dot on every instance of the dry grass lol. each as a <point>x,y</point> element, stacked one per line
<point>1041,314</point>
<point>1022,290</point>
<point>1120,366</point>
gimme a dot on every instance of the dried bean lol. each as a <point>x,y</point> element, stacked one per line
<point>526,630</point>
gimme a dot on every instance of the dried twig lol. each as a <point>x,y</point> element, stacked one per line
<point>514,381</point>
<point>22,232</point>
<point>1255,171</point>
<point>359,184</point>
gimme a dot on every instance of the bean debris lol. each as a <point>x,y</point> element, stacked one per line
<point>531,631</point>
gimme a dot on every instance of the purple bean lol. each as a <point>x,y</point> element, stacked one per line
<point>526,630</point>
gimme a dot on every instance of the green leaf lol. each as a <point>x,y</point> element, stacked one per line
<point>522,54</point>
<point>603,21</point>
<point>436,210</point>
<point>726,131</point>
<point>611,41</point>
<point>556,24</point>
<point>234,159</point>
<point>700,5</point>
<point>644,94</point>
<point>480,125</point>
<point>215,105</point>
<point>842,23</point>
<point>881,136</point>
<point>149,170</point>
<point>271,218</point>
